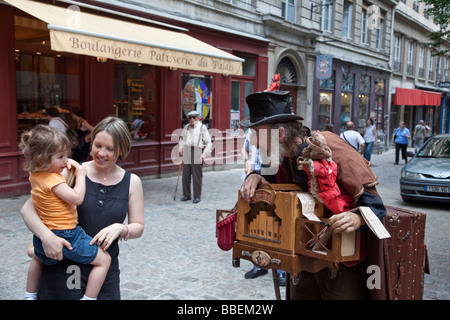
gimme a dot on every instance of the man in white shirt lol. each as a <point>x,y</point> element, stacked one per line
<point>353,137</point>
<point>194,145</point>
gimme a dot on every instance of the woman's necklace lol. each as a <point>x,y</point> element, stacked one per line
<point>108,174</point>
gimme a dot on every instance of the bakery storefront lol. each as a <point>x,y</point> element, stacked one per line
<point>151,74</point>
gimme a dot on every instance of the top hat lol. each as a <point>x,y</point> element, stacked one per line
<point>269,107</point>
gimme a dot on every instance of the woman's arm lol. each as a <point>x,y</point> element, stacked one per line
<point>52,244</point>
<point>136,221</point>
<point>135,226</point>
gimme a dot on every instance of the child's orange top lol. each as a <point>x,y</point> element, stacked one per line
<point>56,213</point>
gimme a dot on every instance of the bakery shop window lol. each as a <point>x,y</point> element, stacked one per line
<point>136,98</point>
<point>44,78</point>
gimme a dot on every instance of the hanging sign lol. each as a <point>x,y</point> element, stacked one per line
<point>324,67</point>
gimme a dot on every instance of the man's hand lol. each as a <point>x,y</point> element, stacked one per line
<point>249,186</point>
<point>346,222</point>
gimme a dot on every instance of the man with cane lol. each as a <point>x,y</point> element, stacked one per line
<point>194,145</point>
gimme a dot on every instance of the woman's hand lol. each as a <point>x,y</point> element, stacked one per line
<point>106,236</point>
<point>53,246</point>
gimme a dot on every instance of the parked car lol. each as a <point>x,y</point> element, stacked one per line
<point>427,175</point>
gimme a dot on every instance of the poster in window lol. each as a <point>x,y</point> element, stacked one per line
<point>196,95</point>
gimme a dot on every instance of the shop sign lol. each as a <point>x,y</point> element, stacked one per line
<point>140,53</point>
<point>324,67</point>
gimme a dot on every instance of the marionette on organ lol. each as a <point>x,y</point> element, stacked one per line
<point>322,172</point>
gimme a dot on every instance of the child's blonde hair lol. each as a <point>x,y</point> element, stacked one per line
<point>39,145</point>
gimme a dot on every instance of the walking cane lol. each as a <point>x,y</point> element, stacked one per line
<point>178,179</point>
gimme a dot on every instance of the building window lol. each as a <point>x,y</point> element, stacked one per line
<point>430,66</point>
<point>379,97</point>
<point>416,5</point>
<point>348,84</point>
<point>446,71</point>
<point>347,20</point>
<point>248,66</point>
<point>325,107</point>
<point>288,10</point>
<point>397,54</point>
<point>327,15</point>
<point>246,4</point>
<point>348,81</point>
<point>364,27</point>
<point>409,66</point>
<point>326,102</point>
<point>329,83</point>
<point>287,71</point>
<point>364,92</point>
<point>44,78</point>
<point>421,62</point>
<point>380,33</point>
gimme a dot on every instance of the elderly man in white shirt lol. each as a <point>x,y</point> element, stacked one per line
<point>194,145</point>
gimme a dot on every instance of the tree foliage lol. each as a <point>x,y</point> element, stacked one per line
<point>440,11</point>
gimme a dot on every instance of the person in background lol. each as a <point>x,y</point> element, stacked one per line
<point>55,120</point>
<point>83,130</point>
<point>112,195</point>
<point>370,138</point>
<point>401,139</point>
<point>329,127</point>
<point>353,137</point>
<point>419,135</point>
<point>194,145</point>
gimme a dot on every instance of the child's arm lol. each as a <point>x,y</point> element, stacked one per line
<point>76,194</point>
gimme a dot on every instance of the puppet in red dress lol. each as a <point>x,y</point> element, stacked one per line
<point>322,173</point>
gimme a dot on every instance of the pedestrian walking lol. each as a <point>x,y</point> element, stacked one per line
<point>401,139</point>
<point>194,145</point>
<point>370,138</point>
<point>419,135</point>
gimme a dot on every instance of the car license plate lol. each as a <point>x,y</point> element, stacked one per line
<point>437,189</point>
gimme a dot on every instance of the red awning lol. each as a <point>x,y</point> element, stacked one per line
<point>415,97</point>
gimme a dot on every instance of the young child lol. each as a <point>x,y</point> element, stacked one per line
<point>45,151</point>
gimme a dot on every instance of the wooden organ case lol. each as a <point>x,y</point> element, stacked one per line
<point>273,233</point>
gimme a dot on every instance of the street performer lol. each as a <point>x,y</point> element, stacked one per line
<point>270,112</point>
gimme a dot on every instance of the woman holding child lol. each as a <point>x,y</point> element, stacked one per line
<point>112,194</point>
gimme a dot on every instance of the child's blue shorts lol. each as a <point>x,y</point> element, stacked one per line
<point>81,251</point>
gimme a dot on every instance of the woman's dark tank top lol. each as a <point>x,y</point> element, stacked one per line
<point>102,206</point>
